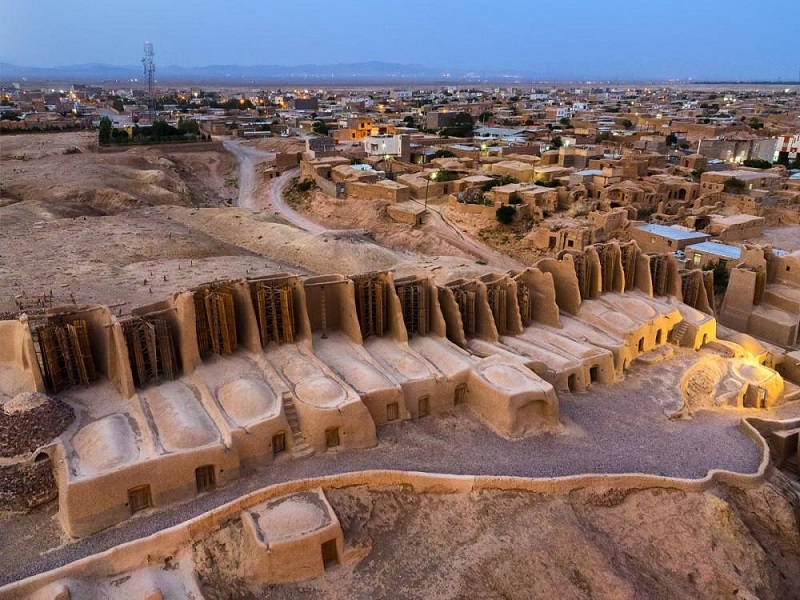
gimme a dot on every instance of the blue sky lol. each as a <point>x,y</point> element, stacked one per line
<point>557,38</point>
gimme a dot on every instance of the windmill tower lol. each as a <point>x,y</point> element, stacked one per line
<point>149,74</point>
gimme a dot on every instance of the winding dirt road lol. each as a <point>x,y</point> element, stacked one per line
<point>437,223</point>
<point>445,229</point>
<point>248,158</point>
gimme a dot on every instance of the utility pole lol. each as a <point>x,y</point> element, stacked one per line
<point>148,62</point>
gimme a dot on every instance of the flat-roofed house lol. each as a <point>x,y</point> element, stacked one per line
<point>666,238</point>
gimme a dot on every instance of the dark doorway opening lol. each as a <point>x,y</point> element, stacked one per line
<point>330,555</point>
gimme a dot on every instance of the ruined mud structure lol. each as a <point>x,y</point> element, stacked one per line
<point>186,394</point>
<point>190,393</point>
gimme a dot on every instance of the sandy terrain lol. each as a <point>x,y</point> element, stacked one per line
<point>786,237</point>
<point>278,144</point>
<point>371,215</point>
<point>62,175</point>
<point>508,239</point>
<point>125,229</point>
<point>438,236</point>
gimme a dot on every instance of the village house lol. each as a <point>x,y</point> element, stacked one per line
<point>665,238</point>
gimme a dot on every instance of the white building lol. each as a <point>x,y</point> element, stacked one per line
<point>401,94</point>
<point>383,145</point>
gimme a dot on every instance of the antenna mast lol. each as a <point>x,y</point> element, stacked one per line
<point>149,74</point>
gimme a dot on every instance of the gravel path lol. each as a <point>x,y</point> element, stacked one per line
<point>614,429</point>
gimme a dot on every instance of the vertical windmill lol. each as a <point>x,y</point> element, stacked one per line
<point>149,64</point>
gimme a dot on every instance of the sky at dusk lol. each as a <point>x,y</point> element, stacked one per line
<point>560,38</point>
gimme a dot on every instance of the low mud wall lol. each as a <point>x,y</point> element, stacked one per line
<point>156,548</point>
<point>167,147</point>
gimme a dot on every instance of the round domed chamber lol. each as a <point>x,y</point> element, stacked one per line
<point>247,400</point>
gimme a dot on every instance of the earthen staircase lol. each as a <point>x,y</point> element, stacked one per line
<point>678,333</point>
<point>300,447</point>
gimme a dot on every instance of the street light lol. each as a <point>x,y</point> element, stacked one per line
<point>427,183</point>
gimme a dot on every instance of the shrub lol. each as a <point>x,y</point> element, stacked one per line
<point>721,276</point>
<point>442,153</point>
<point>305,186</point>
<point>757,163</point>
<point>503,180</point>
<point>505,214</point>
<point>734,184</point>
<point>548,184</point>
<point>444,176</point>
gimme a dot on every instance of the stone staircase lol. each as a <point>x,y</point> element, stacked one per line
<point>300,447</point>
<point>678,333</point>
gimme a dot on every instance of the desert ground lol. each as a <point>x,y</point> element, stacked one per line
<point>126,228</point>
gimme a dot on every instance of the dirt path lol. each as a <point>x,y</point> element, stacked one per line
<point>248,159</point>
<point>249,196</point>
<point>450,232</point>
<point>276,189</point>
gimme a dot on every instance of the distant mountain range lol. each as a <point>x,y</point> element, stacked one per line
<point>342,73</point>
<point>356,72</point>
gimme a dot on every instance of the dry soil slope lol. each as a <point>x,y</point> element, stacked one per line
<point>61,175</point>
<point>656,543</point>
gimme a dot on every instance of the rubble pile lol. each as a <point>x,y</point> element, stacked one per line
<point>29,420</point>
<point>25,485</point>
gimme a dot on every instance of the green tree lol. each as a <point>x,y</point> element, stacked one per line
<point>320,128</point>
<point>189,126</point>
<point>505,214</point>
<point>444,175</point>
<point>104,133</point>
<point>672,139</point>
<point>118,105</point>
<point>603,136</point>
<point>461,126</point>
<point>757,163</point>
<point>119,135</point>
<point>503,180</point>
<point>162,129</point>
<point>627,124</point>
<point>734,184</point>
<point>721,276</point>
<point>556,142</point>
